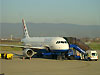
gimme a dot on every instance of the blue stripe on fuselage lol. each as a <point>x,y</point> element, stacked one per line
<point>44,50</point>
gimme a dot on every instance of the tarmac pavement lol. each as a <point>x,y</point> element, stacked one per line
<point>42,66</point>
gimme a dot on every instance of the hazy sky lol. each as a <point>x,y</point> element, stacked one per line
<point>83,12</point>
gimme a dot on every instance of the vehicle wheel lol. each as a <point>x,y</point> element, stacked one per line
<point>71,57</point>
<point>96,60</point>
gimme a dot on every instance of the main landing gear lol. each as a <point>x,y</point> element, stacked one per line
<point>60,56</point>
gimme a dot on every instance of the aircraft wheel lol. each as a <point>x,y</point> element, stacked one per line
<point>59,57</point>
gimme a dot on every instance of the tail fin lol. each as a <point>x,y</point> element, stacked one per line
<point>26,35</point>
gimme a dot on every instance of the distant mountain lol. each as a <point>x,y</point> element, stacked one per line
<point>50,29</point>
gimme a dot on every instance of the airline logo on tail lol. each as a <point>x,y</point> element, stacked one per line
<point>25,29</point>
<point>23,21</point>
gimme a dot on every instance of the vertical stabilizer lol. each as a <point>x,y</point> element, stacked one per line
<point>26,35</point>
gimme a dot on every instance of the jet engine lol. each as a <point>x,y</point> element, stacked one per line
<point>28,52</point>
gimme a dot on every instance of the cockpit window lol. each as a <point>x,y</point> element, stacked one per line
<point>62,41</point>
<point>58,42</point>
<point>65,41</point>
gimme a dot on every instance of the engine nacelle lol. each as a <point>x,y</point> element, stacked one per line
<point>28,52</point>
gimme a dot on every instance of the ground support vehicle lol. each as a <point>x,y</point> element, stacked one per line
<point>6,56</point>
<point>91,55</point>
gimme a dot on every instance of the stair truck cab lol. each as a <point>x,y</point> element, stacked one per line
<point>91,55</point>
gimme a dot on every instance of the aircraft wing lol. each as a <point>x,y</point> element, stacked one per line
<point>21,46</point>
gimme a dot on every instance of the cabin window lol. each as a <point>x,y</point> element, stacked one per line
<point>62,42</point>
<point>58,42</point>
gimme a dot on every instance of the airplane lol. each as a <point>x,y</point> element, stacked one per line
<point>30,45</point>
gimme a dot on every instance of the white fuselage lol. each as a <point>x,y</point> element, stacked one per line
<point>54,43</point>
